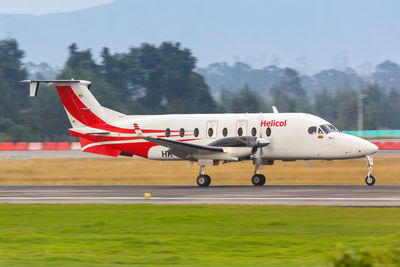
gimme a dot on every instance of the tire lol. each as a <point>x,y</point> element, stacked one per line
<point>258,179</point>
<point>262,182</point>
<point>203,180</point>
<point>370,180</point>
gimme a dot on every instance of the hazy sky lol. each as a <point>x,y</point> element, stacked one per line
<point>309,35</point>
<point>40,7</point>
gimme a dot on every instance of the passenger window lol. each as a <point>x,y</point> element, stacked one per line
<point>268,131</point>
<point>253,131</point>
<point>312,130</point>
<point>196,132</point>
<point>225,132</point>
<point>167,132</point>
<point>210,132</point>
<point>181,132</point>
<point>240,131</point>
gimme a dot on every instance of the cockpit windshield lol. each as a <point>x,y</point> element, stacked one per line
<point>329,128</point>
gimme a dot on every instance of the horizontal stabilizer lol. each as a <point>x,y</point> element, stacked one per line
<point>34,84</point>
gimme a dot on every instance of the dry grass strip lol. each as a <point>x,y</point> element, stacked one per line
<point>138,171</point>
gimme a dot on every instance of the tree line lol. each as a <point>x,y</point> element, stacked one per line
<point>159,79</point>
<point>381,105</point>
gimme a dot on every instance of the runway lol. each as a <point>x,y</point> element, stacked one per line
<point>381,196</point>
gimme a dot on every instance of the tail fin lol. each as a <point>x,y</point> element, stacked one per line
<point>80,105</point>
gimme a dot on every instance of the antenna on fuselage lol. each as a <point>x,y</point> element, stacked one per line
<point>275,110</point>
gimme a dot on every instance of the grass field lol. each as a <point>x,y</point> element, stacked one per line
<point>187,235</point>
<point>136,171</point>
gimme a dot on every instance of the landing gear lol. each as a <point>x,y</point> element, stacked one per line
<point>369,180</point>
<point>203,179</point>
<point>258,179</point>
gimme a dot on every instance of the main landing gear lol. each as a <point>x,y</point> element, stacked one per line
<point>203,179</point>
<point>369,180</point>
<point>258,179</point>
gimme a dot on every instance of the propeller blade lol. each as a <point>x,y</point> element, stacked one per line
<point>258,157</point>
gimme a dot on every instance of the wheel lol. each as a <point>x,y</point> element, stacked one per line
<point>370,180</point>
<point>258,179</point>
<point>203,180</point>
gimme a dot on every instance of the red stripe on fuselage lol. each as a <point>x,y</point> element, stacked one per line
<point>138,148</point>
<point>81,112</point>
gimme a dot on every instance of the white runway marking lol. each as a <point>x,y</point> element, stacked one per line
<point>204,198</point>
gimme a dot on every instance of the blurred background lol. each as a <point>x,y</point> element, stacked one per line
<point>327,58</point>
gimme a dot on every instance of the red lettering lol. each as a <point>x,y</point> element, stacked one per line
<point>273,123</point>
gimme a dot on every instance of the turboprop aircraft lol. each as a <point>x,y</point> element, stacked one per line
<point>207,139</point>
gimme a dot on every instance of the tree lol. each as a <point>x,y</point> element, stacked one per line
<point>158,79</point>
<point>347,109</point>
<point>247,101</point>
<point>13,102</point>
<point>288,95</point>
<point>325,104</point>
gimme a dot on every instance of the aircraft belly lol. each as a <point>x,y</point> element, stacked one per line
<point>161,153</point>
<point>231,154</point>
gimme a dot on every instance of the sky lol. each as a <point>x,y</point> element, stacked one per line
<point>308,35</point>
<point>41,7</point>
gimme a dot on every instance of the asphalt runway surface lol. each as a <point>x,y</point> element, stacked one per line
<point>380,196</point>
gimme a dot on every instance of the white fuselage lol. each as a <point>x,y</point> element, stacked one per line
<point>288,135</point>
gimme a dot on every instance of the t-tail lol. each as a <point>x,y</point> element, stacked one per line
<point>81,106</point>
<point>84,112</point>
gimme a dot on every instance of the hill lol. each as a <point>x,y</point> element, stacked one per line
<point>236,76</point>
<point>219,31</point>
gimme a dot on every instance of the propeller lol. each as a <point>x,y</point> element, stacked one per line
<point>257,150</point>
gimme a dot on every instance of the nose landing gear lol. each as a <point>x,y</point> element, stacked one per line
<point>369,180</point>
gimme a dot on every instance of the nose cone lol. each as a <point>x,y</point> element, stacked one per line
<point>370,148</point>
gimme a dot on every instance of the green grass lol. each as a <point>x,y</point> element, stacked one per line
<point>187,235</point>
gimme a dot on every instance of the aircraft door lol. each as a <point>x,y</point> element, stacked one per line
<point>241,127</point>
<point>211,130</point>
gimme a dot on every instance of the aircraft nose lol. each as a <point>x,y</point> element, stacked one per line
<point>370,148</point>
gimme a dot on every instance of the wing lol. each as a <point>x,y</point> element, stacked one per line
<point>183,150</point>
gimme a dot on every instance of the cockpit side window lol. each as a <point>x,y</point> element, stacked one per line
<point>333,128</point>
<point>312,130</point>
<point>326,128</point>
<point>329,128</point>
<point>320,131</point>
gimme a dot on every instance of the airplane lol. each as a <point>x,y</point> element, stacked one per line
<point>207,139</point>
